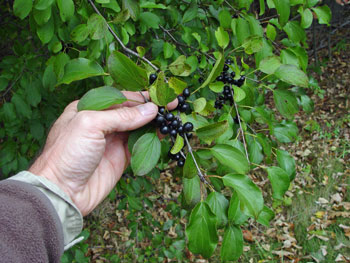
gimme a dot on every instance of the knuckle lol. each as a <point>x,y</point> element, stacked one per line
<point>85,119</point>
<point>126,114</point>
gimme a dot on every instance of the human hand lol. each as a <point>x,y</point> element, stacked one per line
<point>86,152</point>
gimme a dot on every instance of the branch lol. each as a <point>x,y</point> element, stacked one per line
<point>240,126</point>
<point>189,148</point>
<point>128,50</point>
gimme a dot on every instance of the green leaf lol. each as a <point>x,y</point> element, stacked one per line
<point>133,7</point>
<point>199,104</point>
<point>45,32</point>
<point>285,132</point>
<point>97,26</point>
<point>66,8</point>
<point>266,216</point>
<point>219,205</point>
<point>283,10</point>
<point>168,50</point>
<point>80,68</point>
<point>177,85</point>
<point>178,145</point>
<point>42,4</point>
<point>216,71</point>
<point>292,75</point>
<point>262,7</point>
<point>101,98</point>
<point>279,181</point>
<point>271,32</point>
<point>217,86</point>
<point>126,73</point>
<point>80,33</point>
<point>252,44</point>
<point>150,19</point>
<point>37,130</point>
<point>22,108</point>
<point>190,13</point>
<point>286,162</point>
<point>201,230</point>
<point>286,102</point>
<point>145,154</point>
<point>113,5</point>
<point>235,214</point>
<point>42,16</point>
<point>294,31</point>
<point>49,78</point>
<point>238,94</point>
<point>179,67</point>
<point>22,8</point>
<point>225,18</point>
<point>209,133</point>
<point>255,152</point>
<point>248,193</point>
<point>222,37</point>
<point>270,64</point>
<point>191,190</point>
<point>189,171</point>
<point>164,94</point>
<point>232,244</point>
<point>324,14</point>
<point>230,157</point>
<point>306,18</point>
<point>152,5</point>
<point>242,30</point>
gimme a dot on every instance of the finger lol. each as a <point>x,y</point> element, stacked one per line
<point>117,120</point>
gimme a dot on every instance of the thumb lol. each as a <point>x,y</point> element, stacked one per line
<point>125,118</point>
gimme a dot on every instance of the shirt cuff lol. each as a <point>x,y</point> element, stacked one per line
<point>68,213</point>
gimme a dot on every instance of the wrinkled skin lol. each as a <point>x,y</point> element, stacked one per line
<point>86,152</point>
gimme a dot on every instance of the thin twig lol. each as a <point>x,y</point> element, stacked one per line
<point>120,42</point>
<point>240,126</point>
<point>201,176</point>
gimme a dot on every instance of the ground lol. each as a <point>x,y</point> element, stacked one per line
<point>313,222</point>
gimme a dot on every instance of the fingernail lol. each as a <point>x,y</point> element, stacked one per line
<point>147,109</point>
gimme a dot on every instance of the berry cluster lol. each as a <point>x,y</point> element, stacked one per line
<point>227,78</point>
<point>168,123</point>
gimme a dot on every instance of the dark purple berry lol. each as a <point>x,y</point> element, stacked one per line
<point>173,132</point>
<point>177,156</point>
<point>152,78</point>
<point>226,67</point>
<point>233,74</point>
<point>228,61</point>
<point>200,80</point>
<point>221,97</point>
<point>185,107</point>
<point>180,163</point>
<point>235,82</point>
<point>181,99</point>
<point>229,96</point>
<point>220,78</point>
<point>242,78</point>
<point>175,123</point>
<point>169,116</point>
<point>160,120</point>
<point>230,80</point>
<point>186,92</point>
<point>189,135</point>
<point>188,126</point>
<point>180,130</point>
<point>164,130</point>
<point>161,110</point>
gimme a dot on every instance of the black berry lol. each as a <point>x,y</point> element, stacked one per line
<point>180,130</point>
<point>160,120</point>
<point>186,93</point>
<point>175,123</point>
<point>152,78</point>
<point>181,99</point>
<point>220,78</point>
<point>164,130</point>
<point>169,116</point>
<point>228,61</point>
<point>233,74</point>
<point>200,80</point>
<point>180,163</point>
<point>184,107</point>
<point>173,132</point>
<point>161,110</point>
<point>226,67</point>
<point>189,135</point>
<point>177,156</point>
<point>188,126</point>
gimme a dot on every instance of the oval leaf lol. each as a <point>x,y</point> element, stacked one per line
<point>101,98</point>
<point>286,102</point>
<point>145,153</point>
<point>231,157</point>
<point>192,190</point>
<point>248,193</point>
<point>232,244</point>
<point>178,145</point>
<point>212,131</point>
<point>292,75</point>
<point>219,205</point>
<point>279,181</point>
<point>201,230</point>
